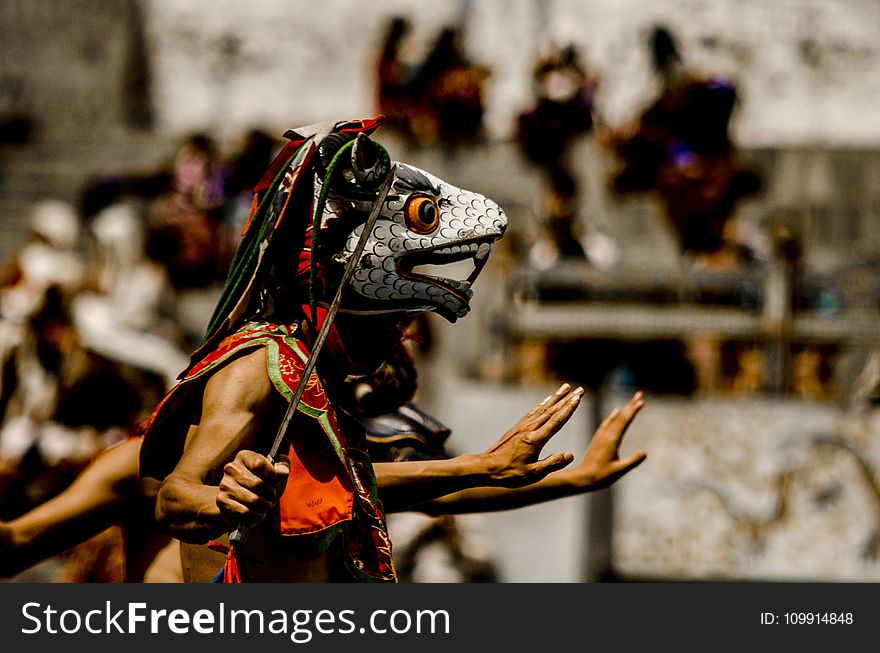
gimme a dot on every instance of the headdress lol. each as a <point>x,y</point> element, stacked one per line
<point>287,182</point>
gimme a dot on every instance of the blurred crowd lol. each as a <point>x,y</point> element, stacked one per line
<point>679,147</point>
<point>436,101</point>
<point>679,156</point>
<point>102,304</point>
<point>678,152</point>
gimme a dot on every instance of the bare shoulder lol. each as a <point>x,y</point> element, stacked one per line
<point>241,384</point>
<point>238,403</point>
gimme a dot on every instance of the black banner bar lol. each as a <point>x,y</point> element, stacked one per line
<point>424,618</point>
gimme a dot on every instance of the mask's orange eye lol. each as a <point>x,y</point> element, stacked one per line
<point>422,214</point>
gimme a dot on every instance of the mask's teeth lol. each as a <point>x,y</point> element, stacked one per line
<point>480,260</point>
<point>457,285</point>
<point>461,287</point>
<point>483,252</point>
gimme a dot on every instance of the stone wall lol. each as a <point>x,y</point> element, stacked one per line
<point>76,68</point>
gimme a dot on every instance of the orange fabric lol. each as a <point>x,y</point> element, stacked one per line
<point>318,492</point>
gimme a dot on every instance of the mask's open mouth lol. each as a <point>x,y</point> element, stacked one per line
<point>423,266</point>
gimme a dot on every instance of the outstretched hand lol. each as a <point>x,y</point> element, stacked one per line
<point>518,477</point>
<point>601,465</point>
<point>515,459</point>
<point>250,487</point>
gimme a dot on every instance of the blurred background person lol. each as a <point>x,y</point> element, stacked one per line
<point>442,98</point>
<point>102,527</point>
<point>186,210</point>
<point>394,76</point>
<point>562,108</point>
<point>129,313</point>
<point>246,165</point>
<point>680,148</point>
<point>50,257</point>
<point>183,208</point>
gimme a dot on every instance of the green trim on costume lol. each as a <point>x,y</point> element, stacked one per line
<point>273,368</point>
<point>317,219</point>
<point>321,416</point>
<point>324,421</point>
<point>246,258</point>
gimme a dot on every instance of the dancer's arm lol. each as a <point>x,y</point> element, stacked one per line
<point>512,462</point>
<point>600,467</point>
<point>96,500</point>
<point>218,481</point>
